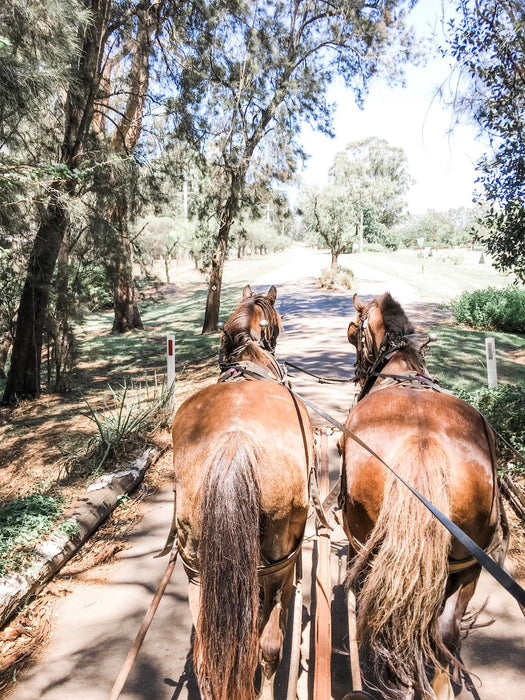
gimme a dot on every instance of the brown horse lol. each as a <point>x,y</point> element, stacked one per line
<point>242,450</point>
<point>414,580</point>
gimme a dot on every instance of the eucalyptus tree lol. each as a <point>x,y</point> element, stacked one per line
<point>267,67</point>
<point>375,177</point>
<point>487,39</point>
<point>23,379</point>
<point>331,218</point>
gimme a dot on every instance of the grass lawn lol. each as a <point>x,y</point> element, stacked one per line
<point>457,359</point>
<point>443,276</point>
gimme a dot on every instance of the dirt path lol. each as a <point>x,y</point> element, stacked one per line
<point>94,625</point>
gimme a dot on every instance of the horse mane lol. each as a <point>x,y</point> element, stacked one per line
<point>394,317</point>
<point>396,322</point>
<point>237,329</point>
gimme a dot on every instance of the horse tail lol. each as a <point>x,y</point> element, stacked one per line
<point>403,572</point>
<point>226,634</point>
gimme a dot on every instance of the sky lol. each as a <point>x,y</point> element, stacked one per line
<point>441,156</point>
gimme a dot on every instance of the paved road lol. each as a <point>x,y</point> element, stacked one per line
<point>94,626</point>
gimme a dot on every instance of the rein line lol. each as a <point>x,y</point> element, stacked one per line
<point>321,380</point>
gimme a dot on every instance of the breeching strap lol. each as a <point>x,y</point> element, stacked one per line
<point>501,576</point>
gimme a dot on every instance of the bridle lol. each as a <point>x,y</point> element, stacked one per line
<point>369,364</point>
<point>266,341</point>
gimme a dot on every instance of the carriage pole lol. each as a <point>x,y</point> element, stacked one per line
<point>353,644</point>
<point>295,651</point>
<point>323,590</point>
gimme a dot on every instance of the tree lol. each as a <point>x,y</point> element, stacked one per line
<point>134,51</point>
<point>329,214</point>
<point>487,39</point>
<point>268,68</point>
<point>23,379</point>
<point>375,177</point>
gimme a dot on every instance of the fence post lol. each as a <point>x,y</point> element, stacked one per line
<point>490,351</point>
<point>170,357</point>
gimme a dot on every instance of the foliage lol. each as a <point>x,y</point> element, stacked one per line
<point>437,229</point>
<point>375,177</point>
<point>330,218</point>
<point>487,39</point>
<point>23,522</point>
<point>337,277</point>
<point>504,408</point>
<point>492,309</point>
<point>268,68</point>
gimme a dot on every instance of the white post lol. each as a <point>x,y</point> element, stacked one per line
<point>170,355</point>
<point>490,351</point>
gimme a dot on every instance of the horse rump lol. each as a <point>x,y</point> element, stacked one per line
<point>401,575</point>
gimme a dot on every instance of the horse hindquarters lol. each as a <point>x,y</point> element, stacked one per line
<point>403,572</point>
<point>226,636</point>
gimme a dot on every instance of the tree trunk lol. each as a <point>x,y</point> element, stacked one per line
<point>213,299</point>
<point>23,380</point>
<point>124,142</point>
<point>335,256</point>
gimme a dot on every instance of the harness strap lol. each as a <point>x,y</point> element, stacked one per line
<point>262,570</point>
<point>517,592</point>
<point>245,368</point>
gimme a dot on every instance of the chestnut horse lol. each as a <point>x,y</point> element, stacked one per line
<point>242,450</point>
<point>413,579</point>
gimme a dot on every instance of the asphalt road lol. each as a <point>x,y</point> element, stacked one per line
<point>94,626</point>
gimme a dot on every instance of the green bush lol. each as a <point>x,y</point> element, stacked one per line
<point>492,309</point>
<point>504,409</point>
<point>338,277</point>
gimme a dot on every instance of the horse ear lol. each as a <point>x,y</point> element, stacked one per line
<point>272,294</point>
<point>246,292</point>
<point>359,304</point>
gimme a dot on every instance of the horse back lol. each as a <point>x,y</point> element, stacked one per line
<point>280,431</point>
<point>422,433</point>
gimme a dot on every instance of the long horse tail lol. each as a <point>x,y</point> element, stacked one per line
<point>226,634</point>
<point>403,572</point>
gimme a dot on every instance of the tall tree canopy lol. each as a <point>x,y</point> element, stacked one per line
<point>375,176</point>
<point>487,38</point>
<point>267,67</point>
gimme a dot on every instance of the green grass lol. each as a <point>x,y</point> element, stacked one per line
<point>457,358</point>
<point>434,277</point>
<point>23,523</point>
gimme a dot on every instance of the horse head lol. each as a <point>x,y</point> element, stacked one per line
<point>380,328</point>
<point>253,327</point>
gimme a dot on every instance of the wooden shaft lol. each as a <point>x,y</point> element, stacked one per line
<point>146,622</point>
<point>323,593</point>
<point>295,651</point>
<point>355,669</point>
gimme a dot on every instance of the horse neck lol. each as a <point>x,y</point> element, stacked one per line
<point>403,361</point>
<point>254,353</point>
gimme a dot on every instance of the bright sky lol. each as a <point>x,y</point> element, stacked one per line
<point>441,162</point>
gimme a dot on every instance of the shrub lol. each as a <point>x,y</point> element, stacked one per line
<point>504,409</point>
<point>492,309</point>
<point>337,277</point>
